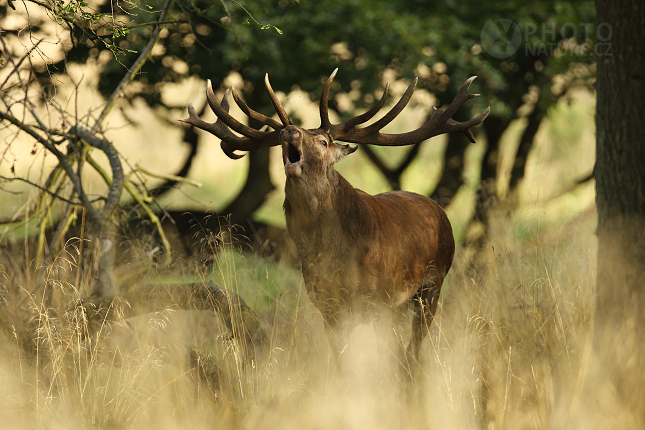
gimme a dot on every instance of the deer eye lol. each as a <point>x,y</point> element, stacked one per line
<point>323,142</point>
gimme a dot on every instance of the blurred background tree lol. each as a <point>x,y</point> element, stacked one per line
<point>300,42</point>
<point>620,200</point>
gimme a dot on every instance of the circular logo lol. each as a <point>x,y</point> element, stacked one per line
<point>501,38</point>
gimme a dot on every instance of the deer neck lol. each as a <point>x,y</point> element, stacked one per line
<point>310,198</point>
<point>332,212</point>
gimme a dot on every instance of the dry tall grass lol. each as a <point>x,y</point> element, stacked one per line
<point>509,349</point>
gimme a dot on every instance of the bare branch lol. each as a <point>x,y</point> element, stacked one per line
<point>140,200</point>
<point>16,66</point>
<point>114,191</point>
<point>41,188</point>
<point>14,218</point>
<point>138,64</point>
<point>170,177</point>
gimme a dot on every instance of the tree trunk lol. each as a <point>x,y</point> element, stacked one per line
<point>452,176</point>
<point>486,195</point>
<point>191,138</point>
<point>256,188</point>
<point>619,338</point>
<point>192,225</point>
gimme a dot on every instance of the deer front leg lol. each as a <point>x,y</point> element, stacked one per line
<point>329,300</point>
<point>336,334</point>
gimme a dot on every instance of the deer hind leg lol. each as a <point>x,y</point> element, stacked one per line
<point>424,305</point>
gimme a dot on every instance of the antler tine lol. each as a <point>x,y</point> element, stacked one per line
<point>325,124</point>
<point>265,120</point>
<point>230,137</point>
<point>452,126</point>
<point>394,112</point>
<point>276,103</point>
<point>462,95</point>
<point>228,119</point>
<point>219,129</point>
<point>442,122</point>
<point>364,117</point>
<point>230,153</point>
<point>194,120</point>
<point>467,132</point>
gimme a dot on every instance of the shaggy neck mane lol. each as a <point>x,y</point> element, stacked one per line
<point>313,199</point>
<point>339,211</point>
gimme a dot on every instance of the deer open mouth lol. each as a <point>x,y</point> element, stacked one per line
<point>292,160</point>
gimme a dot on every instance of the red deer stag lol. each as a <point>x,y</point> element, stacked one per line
<point>390,248</point>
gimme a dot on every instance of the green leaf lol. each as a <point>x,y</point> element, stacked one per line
<point>269,26</point>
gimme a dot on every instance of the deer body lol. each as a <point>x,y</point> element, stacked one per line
<point>355,249</point>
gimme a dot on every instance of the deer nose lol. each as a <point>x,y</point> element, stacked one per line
<point>291,134</point>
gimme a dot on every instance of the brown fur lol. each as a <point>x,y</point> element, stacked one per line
<point>357,249</point>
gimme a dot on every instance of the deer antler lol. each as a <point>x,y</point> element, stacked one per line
<point>251,138</point>
<point>441,121</point>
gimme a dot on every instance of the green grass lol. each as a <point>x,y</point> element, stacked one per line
<point>259,280</point>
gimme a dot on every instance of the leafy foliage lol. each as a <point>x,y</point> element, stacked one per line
<point>299,43</point>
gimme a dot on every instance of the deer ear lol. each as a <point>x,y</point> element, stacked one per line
<point>346,149</point>
<point>341,150</point>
